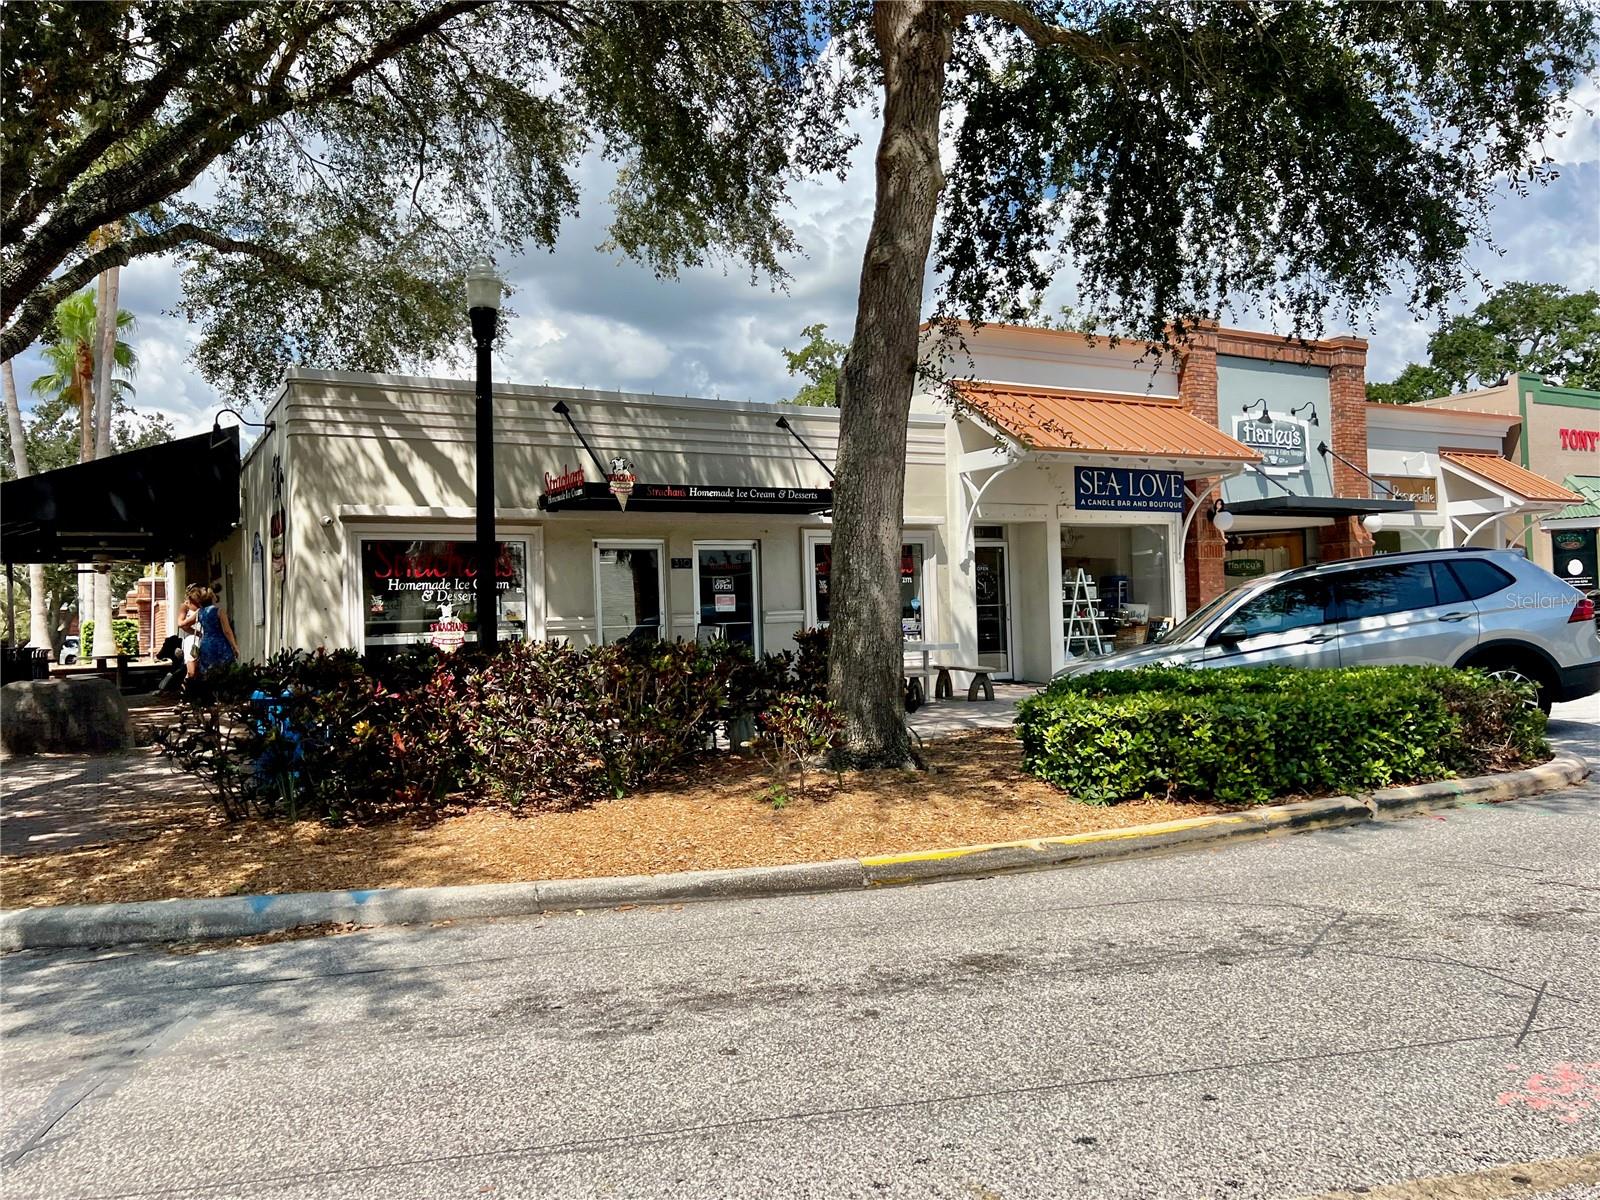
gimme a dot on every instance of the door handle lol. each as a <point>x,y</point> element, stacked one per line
<point>1455,616</point>
<point>1317,639</point>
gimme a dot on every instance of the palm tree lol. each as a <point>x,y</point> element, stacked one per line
<point>69,359</point>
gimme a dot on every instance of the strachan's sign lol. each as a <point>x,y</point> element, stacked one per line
<point>1281,442</point>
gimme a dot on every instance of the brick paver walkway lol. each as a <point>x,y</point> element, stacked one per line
<point>55,802</point>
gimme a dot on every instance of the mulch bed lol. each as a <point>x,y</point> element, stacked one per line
<point>712,816</point>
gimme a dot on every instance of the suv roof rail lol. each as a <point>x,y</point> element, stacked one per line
<point>1399,554</point>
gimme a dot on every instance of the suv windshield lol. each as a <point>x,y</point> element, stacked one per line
<point>1197,620</point>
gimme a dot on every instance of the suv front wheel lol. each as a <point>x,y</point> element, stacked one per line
<point>1516,668</point>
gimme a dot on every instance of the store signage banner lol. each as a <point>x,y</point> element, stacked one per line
<point>567,484</point>
<point>692,497</point>
<point>1422,491</point>
<point>1281,442</point>
<point>1587,440</point>
<point>1244,568</point>
<point>1123,489</point>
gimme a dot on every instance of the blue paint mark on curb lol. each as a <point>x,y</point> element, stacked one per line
<point>260,904</point>
<point>360,897</point>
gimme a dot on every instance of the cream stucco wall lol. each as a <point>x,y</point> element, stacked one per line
<point>366,455</point>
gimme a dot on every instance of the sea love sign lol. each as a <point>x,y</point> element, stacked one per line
<point>1127,490</point>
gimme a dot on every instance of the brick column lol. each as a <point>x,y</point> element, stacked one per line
<point>1347,394</point>
<point>1197,392</point>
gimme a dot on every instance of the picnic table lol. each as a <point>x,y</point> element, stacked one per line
<point>918,672</point>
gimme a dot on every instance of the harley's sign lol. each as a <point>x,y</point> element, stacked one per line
<point>1281,442</point>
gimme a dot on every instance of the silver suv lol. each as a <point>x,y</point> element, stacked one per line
<point>1490,609</point>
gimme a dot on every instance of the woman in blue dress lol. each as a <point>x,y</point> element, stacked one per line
<point>217,646</point>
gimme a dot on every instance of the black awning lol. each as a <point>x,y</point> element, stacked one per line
<point>160,502</point>
<point>1315,506</point>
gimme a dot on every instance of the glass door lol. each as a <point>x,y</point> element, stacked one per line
<point>993,591</point>
<point>727,593</point>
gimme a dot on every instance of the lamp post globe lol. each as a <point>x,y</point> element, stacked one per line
<point>484,286</point>
<point>1372,522</point>
<point>1223,520</point>
<point>484,289</point>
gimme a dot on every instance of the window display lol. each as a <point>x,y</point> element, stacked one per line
<point>913,586</point>
<point>1126,579</point>
<point>725,583</point>
<point>424,592</point>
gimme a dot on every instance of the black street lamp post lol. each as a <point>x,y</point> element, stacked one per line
<point>483,306</point>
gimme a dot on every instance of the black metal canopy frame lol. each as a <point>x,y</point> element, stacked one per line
<point>157,503</point>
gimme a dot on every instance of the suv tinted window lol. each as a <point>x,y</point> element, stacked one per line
<point>1288,606</point>
<point>1378,591</point>
<point>1449,587</point>
<point>1479,578</point>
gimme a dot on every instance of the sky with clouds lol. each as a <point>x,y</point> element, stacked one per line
<point>586,319</point>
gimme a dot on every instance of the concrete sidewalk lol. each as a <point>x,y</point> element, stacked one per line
<point>941,718</point>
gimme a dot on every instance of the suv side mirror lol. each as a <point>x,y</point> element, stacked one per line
<point>1230,634</point>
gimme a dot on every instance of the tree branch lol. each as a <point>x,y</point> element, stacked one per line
<point>1042,33</point>
<point>47,184</point>
<point>176,159</point>
<point>35,314</point>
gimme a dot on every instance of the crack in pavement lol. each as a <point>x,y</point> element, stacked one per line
<point>1533,1011</point>
<point>102,1080</point>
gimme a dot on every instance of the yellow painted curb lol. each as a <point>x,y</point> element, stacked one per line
<point>1068,839</point>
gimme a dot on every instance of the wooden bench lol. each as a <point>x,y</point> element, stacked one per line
<point>943,689</point>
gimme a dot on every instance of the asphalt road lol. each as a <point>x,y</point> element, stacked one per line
<point>1341,1009</point>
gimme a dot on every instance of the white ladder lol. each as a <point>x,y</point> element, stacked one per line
<point>1082,620</point>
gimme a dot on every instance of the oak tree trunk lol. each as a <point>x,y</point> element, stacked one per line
<point>865,661</point>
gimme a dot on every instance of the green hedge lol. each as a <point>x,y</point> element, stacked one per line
<point>124,630</point>
<point>1249,735</point>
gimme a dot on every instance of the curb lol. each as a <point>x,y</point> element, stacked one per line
<point>243,916</point>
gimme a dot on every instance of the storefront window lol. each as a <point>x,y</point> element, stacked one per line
<point>628,590</point>
<point>1125,583</point>
<point>424,592</point>
<point>1252,555</point>
<point>725,580</point>
<point>913,586</point>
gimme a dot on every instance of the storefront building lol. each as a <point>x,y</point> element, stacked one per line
<point>1560,441</point>
<point>1458,467</point>
<point>1075,470</point>
<point>619,515</point>
<point>1064,496</point>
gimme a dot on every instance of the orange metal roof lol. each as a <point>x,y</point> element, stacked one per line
<point>1054,420</point>
<point>1509,477</point>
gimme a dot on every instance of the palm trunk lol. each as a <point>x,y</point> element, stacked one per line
<point>865,659</point>
<point>107,292</point>
<point>105,356</point>
<point>38,602</point>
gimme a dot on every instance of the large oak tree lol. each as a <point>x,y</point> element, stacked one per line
<point>1182,155</point>
<point>325,171</point>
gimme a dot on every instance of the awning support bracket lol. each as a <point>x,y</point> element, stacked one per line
<point>560,406</point>
<point>975,493</point>
<point>1325,450</point>
<point>783,424</point>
